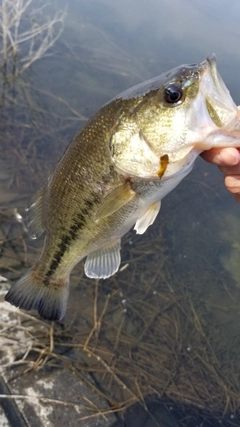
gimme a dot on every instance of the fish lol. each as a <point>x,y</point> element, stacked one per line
<point>134,151</point>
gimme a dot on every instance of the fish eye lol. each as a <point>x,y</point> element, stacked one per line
<point>173,94</point>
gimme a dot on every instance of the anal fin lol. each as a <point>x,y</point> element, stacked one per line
<point>147,218</point>
<point>104,262</point>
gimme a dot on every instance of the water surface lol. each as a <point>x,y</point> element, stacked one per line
<point>168,323</point>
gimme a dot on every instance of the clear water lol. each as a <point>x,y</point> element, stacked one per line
<point>169,322</point>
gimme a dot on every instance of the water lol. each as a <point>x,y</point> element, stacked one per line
<point>168,323</point>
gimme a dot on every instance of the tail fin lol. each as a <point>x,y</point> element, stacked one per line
<point>31,293</point>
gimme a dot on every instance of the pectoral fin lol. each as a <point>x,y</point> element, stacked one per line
<point>147,218</point>
<point>115,200</point>
<point>104,262</point>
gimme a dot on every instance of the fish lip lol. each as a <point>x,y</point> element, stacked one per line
<point>211,60</point>
<point>214,89</point>
<point>210,65</point>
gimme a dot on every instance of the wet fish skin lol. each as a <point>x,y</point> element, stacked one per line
<point>66,210</point>
<point>115,172</point>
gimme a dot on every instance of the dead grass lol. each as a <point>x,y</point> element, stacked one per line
<point>139,334</point>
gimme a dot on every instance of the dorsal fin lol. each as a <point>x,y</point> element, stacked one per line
<point>35,215</point>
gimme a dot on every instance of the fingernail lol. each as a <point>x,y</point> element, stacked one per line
<point>228,156</point>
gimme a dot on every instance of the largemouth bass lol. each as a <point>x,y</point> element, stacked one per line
<point>114,174</point>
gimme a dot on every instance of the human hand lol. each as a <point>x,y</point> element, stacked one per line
<point>228,161</point>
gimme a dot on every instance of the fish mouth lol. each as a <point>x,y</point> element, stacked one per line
<point>215,113</point>
<point>219,103</point>
<point>211,63</point>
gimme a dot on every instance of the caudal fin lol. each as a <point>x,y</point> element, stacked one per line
<point>49,298</point>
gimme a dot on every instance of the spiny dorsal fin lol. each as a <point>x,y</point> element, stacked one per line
<point>115,200</point>
<point>147,218</point>
<point>35,215</point>
<point>104,262</point>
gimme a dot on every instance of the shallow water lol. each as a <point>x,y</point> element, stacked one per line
<point>168,323</point>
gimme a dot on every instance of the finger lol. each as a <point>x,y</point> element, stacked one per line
<point>222,156</point>
<point>237,197</point>
<point>232,183</point>
<point>230,170</point>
